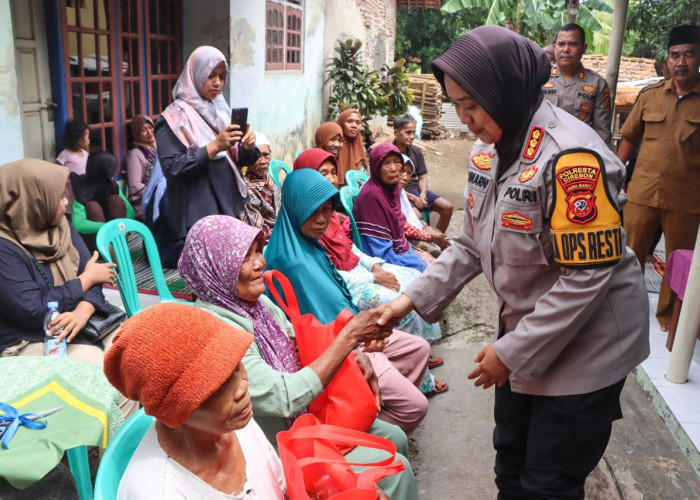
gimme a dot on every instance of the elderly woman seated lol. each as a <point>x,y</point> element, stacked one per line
<point>263,195</point>
<point>223,265</point>
<point>378,213</point>
<point>185,367</point>
<point>308,202</point>
<point>371,281</point>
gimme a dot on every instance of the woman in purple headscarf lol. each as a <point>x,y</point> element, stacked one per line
<point>377,210</point>
<point>222,263</point>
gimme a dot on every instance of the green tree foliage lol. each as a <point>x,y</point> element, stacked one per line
<point>353,84</point>
<point>650,21</point>
<point>538,20</point>
<point>424,34</point>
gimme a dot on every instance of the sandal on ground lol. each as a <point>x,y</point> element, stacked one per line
<point>440,387</point>
<point>434,362</point>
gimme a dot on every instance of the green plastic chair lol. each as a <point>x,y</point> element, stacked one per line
<point>274,170</point>
<point>347,198</point>
<point>113,234</point>
<point>80,468</point>
<point>118,454</point>
<point>355,178</point>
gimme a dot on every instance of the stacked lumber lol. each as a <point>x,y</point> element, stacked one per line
<point>427,95</point>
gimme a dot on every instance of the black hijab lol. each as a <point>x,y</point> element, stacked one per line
<point>97,183</point>
<point>503,72</point>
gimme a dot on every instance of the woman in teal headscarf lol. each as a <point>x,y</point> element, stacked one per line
<point>308,201</point>
<point>302,259</point>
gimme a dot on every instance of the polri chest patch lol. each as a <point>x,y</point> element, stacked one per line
<point>482,161</point>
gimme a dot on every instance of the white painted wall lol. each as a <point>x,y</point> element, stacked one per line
<point>12,147</point>
<point>284,105</point>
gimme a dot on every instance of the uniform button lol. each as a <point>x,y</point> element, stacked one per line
<point>552,124</point>
<point>535,374</point>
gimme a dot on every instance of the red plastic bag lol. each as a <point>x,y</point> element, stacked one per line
<point>312,461</point>
<point>347,401</point>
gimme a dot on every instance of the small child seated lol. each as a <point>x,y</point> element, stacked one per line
<point>419,234</point>
<point>417,188</point>
<point>76,139</point>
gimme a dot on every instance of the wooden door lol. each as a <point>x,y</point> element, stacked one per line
<point>34,84</point>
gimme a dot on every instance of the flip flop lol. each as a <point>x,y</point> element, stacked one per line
<point>438,390</point>
<point>434,362</point>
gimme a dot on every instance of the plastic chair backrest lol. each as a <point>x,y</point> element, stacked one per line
<point>118,454</point>
<point>296,155</point>
<point>113,234</point>
<point>355,178</point>
<point>274,170</point>
<point>347,198</point>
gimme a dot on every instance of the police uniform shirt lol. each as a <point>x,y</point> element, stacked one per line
<point>546,233</point>
<point>586,96</point>
<point>667,172</point>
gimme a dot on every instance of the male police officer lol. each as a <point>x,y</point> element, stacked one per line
<point>665,189</point>
<point>577,90</point>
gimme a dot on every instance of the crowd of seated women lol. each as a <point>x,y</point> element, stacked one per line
<point>203,187</point>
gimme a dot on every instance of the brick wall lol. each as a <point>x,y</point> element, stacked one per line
<point>379,17</point>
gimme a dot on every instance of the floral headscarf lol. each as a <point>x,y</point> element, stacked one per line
<point>211,263</point>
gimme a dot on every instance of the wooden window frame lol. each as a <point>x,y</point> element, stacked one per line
<point>174,43</point>
<point>290,10</point>
<point>98,80</point>
<point>139,80</point>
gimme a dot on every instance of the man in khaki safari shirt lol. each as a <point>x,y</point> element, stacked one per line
<point>665,189</point>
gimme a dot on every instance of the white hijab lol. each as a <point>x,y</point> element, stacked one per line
<point>406,207</point>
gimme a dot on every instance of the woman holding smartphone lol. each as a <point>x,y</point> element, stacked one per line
<point>200,150</point>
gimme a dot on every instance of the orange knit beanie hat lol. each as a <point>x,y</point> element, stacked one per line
<point>171,357</point>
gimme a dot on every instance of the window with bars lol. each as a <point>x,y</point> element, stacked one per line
<point>91,76</point>
<point>141,71</point>
<point>284,34</point>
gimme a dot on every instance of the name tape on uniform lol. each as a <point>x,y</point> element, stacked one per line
<point>586,229</point>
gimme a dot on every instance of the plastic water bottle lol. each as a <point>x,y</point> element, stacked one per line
<point>52,346</point>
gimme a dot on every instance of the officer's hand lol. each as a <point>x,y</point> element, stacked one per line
<point>396,309</point>
<point>490,370</point>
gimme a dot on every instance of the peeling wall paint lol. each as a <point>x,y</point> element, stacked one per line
<point>284,105</point>
<point>242,43</point>
<point>10,121</point>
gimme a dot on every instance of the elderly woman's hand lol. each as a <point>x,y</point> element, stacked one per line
<point>370,376</point>
<point>385,278</point>
<point>364,327</point>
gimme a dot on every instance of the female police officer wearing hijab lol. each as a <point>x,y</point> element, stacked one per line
<point>542,223</point>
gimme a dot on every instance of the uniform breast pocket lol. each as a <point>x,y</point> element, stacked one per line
<point>475,202</point>
<point>691,130</point>
<point>519,228</point>
<point>653,124</point>
<point>583,104</point>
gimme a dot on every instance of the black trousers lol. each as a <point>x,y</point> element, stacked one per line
<point>547,445</point>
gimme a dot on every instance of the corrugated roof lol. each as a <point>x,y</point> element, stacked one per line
<point>418,4</point>
<point>631,68</point>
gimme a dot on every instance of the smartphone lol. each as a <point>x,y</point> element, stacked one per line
<point>239,116</point>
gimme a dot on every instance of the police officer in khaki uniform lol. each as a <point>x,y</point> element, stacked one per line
<point>665,188</point>
<point>577,90</point>
<point>542,223</point>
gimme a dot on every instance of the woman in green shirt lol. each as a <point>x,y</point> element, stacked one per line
<point>222,263</point>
